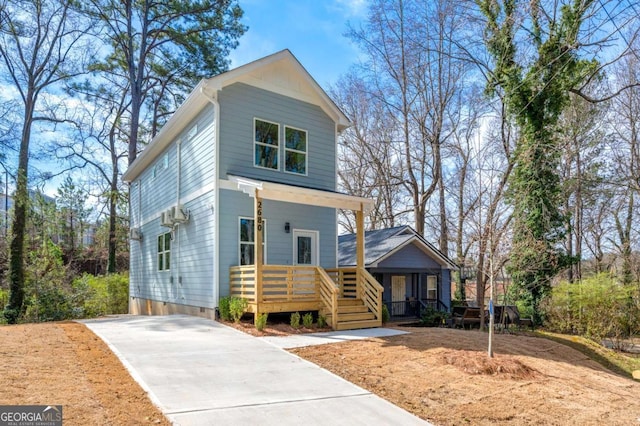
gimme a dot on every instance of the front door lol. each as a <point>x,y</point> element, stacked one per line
<point>398,294</point>
<point>305,247</point>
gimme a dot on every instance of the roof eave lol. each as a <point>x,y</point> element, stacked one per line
<point>171,129</point>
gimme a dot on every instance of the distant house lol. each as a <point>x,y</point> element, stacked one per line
<point>413,272</point>
<point>236,196</point>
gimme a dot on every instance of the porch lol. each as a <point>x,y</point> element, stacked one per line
<point>349,298</point>
<point>412,308</point>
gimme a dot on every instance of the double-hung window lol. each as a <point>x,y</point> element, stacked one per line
<point>295,150</point>
<point>266,143</point>
<point>164,251</point>
<point>247,241</point>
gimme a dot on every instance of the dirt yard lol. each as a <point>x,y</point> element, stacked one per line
<point>441,375</point>
<point>66,364</point>
<point>445,376</point>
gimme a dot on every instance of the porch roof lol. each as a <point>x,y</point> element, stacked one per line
<point>301,195</point>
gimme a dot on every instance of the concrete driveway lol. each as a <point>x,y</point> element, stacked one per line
<point>200,372</point>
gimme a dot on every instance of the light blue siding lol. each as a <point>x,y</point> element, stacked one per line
<point>198,154</point>
<point>240,104</point>
<point>192,253</point>
<point>445,288</point>
<point>235,204</point>
<point>189,281</point>
<point>409,257</point>
<point>191,278</point>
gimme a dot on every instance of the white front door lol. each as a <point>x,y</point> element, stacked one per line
<point>305,247</point>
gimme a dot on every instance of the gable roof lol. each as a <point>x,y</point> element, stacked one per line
<point>280,72</point>
<point>383,243</point>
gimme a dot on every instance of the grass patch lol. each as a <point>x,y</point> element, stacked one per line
<point>617,362</point>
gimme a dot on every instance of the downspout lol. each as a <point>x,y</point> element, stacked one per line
<point>216,215</point>
<point>139,225</point>
<point>177,228</point>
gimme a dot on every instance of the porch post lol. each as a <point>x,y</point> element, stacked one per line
<point>257,247</point>
<point>359,249</point>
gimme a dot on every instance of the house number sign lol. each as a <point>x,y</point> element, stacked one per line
<point>259,218</point>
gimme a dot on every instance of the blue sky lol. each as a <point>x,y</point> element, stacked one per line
<point>312,29</point>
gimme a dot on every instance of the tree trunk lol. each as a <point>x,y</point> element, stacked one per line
<point>16,250</point>
<point>112,244</point>
<point>444,228</point>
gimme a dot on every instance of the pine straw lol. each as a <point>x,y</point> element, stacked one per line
<point>475,363</point>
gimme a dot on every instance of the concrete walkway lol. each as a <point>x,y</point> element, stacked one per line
<point>200,372</point>
<point>313,339</point>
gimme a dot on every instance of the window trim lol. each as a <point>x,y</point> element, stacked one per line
<point>256,143</point>
<point>306,152</point>
<point>240,242</point>
<point>164,253</point>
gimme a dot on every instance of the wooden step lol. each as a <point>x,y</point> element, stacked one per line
<point>348,301</point>
<point>352,309</point>
<point>357,316</point>
<point>352,325</point>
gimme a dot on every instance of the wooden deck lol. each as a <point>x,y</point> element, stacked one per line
<point>349,297</point>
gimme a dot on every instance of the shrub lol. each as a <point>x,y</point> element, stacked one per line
<point>225,311</point>
<point>385,314</point>
<point>431,317</point>
<point>322,321</point>
<point>48,303</point>
<point>295,320</point>
<point>598,307</point>
<point>100,295</point>
<point>237,306</point>
<point>4,298</point>
<point>261,321</point>
<point>225,308</point>
<point>307,320</point>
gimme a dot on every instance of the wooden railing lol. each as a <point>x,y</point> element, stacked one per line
<point>371,293</point>
<point>279,283</point>
<point>286,285</point>
<point>243,282</point>
<point>328,294</point>
<point>346,279</point>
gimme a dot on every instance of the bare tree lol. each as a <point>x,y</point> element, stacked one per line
<point>367,159</point>
<point>37,42</point>
<point>581,136</point>
<point>625,149</point>
<point>413,71</point>
<point>100,142</point>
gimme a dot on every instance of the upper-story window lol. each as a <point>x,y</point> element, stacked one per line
<point>266,143</point>
<point>295,150</point>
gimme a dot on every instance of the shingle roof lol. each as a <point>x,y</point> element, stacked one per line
<point>382,242</point>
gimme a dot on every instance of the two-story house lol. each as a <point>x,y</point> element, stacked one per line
<point>237,196</point>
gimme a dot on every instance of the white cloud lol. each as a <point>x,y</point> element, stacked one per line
<point>252,46</point>
<point>352,8</point>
